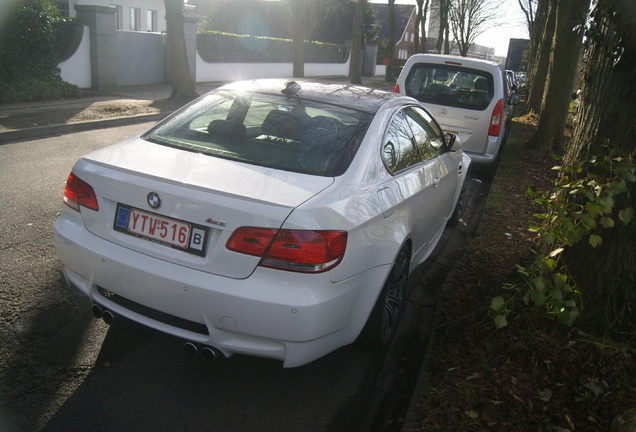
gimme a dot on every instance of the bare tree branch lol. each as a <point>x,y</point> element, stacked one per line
<point>468,19</point>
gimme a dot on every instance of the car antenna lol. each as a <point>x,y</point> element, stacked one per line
<point>291,88</point>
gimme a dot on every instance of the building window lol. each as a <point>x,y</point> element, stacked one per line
<point>118,16</point>
<point>151,20</point>
<point>134,19</point>
<point>403,54</point>
<point>63,7</point>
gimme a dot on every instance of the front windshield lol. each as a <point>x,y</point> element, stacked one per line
<point>280,132</point>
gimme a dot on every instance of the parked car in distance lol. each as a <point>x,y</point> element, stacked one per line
<point>522,77</point>
<point>513,82</point>
<point>468,97</point>
<point>268,218</point>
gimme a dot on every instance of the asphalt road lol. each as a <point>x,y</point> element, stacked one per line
<point>62,370</point>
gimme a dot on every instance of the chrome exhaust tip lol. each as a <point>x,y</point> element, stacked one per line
<point>97,310</point>
<point>190,349</point>
<point>108,317</point>
<point>210,354</point>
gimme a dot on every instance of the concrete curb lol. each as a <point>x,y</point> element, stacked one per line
<point>44,131</point>
<point>412,419</point>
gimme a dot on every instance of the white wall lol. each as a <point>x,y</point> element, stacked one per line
<point>143,5</point>
<point>77,69</point>
<point>139,69</point>
<point>141,58</point>
<point>210,72</point>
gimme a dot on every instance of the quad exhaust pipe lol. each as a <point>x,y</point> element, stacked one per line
<point>99,312</point>
<point>208,353</point>
<point>191,349</point>
<point>211,354</point>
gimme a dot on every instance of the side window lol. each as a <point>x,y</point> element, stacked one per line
<point>398,150</point>
<point>428,137</point>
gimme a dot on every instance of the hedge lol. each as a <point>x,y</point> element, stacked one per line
<point>219,47</point>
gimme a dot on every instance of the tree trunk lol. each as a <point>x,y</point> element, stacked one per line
<point>531,15</point>
<point>298,27</point>
<point>443,24</point>
<point>424,16</point>
<point>356,49</point>
<point>420,27</point>
<point>418,20</point>
<point>564,57</point>
<point>607,109</point>
<point>180,78</point>
<point>540,54</point>
<point>390,49</point>
<point>606,275</point>
<point>447,39</point>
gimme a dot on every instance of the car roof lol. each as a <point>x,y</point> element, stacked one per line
<point>463,61</point>
<point>359,98</point>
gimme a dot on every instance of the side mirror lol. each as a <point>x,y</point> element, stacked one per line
<point>453,142</point>
<point>514,99</point>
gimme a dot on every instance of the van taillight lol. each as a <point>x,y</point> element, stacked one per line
<point>295,250</point>
<point>79,193</point>
<point>495,120</point>
<point>396,88</point>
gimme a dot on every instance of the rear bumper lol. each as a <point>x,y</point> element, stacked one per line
<point>288,316</point>
<point>489,155</point>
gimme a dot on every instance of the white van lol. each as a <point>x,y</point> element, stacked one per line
<point>468,97</point>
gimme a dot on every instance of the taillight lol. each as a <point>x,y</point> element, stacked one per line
<point>294,250</point>
<point>495,120</point>
<point>79,193</point>
<point>251,241</point>
<point>396,88</point>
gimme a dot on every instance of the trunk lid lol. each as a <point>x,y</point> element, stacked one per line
<point>201,197</point>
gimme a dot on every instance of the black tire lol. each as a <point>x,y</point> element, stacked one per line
<point>386,313</point>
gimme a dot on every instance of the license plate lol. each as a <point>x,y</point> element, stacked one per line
<point>166,231</point>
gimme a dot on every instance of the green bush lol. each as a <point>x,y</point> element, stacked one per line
<point>33,89</point>
<point>29,54</point>
<point>588,200</point>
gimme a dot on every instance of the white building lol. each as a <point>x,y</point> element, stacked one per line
<point>131,15</point>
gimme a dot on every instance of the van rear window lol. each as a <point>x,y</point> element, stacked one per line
<point>450,85</point>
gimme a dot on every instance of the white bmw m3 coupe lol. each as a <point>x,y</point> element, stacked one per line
<point>270,218</point>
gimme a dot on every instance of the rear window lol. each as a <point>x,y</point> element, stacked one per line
<point>450,85</point>
<point>286,133</point>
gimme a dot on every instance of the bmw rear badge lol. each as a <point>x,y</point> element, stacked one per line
<point>154,200</point>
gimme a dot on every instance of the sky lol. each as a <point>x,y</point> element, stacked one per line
<point>496,37</point>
